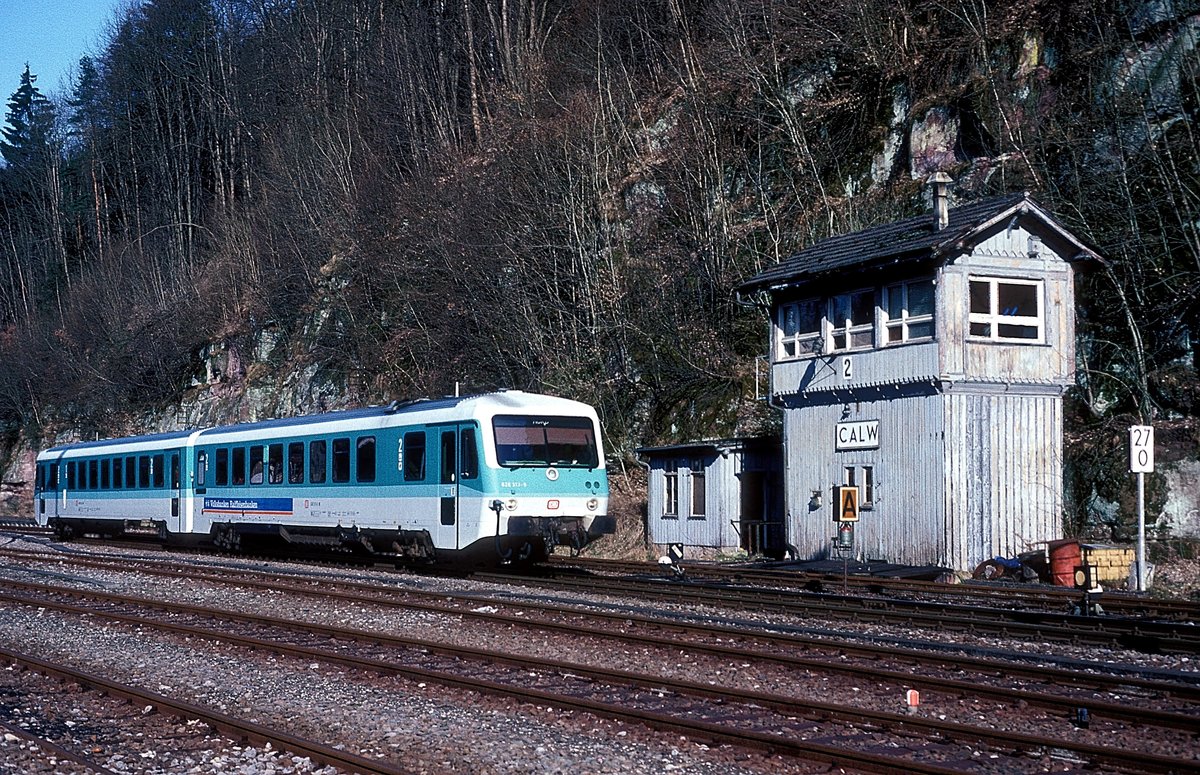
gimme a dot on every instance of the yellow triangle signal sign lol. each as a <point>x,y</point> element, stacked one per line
<point>848,504</point>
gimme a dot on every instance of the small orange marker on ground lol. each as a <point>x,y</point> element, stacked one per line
<point>914,699</point>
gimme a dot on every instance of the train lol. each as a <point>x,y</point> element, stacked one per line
<point>499,477</point>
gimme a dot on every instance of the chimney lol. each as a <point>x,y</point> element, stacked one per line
<point>941,206</point>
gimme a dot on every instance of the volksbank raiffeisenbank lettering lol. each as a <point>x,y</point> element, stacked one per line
<point>857,435</point>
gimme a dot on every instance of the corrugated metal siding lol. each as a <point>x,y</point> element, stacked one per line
<point>905,523</point>
<point>722,502</point>
<point>1007,449</point>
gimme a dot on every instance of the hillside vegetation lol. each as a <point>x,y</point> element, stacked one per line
<point>560,196</point>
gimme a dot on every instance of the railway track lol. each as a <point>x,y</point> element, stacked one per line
<point>760,720</point>
<point>1006,594</point>
<point>1183,698</point>
<point>1138,633</point>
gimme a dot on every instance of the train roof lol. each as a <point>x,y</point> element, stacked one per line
<point>514,399</point>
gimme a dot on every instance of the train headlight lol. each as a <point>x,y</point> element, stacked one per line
<point>593,504</point>
<point>512,504</point>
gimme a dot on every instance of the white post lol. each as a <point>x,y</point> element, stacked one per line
<point>1141,462</point>
<point>1141,547</point>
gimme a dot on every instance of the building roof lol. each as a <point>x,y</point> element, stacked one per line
<point>909,240</point>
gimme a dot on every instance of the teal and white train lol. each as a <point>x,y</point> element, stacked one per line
<point>497,477</point>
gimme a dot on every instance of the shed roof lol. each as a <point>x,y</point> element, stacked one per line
<point>909,240</point>
<point>710,445</point>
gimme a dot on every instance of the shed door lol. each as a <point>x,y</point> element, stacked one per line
<point>447,528</point>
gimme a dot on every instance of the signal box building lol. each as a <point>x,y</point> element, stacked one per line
<point>724,494</point>
<point>924,362</point>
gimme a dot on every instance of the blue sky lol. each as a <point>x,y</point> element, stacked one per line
<point>51,35</point>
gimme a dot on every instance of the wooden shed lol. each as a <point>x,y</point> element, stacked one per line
<point>724,494</point>
<point>924,362</point>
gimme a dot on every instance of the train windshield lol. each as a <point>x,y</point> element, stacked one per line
<point>524,440</point>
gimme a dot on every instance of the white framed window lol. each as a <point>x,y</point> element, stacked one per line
<point>909,309</point>
<point>699,502</point>
<point>1006,310</point>
<point>799,328</point>
<point>670,490</point>
<point>852,320</point>
<point>862,477</point>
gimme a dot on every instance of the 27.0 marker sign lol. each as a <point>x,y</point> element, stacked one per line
<point>1141,449</point>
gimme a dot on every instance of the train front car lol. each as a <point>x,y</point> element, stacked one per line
<point>543,482</point>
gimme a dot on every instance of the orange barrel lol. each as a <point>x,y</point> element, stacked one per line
<point>1064,556</point>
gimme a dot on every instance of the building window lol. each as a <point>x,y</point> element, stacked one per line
<point>1006,310</point>
<point>909,309</point>
<point>670,490</point>
<point>799,328</point>
<point>862,477</point>
<point>852,320</point>
<point>698,491</point>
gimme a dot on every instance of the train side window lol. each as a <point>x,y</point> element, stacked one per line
<point>53,481</point>
<point>237,474</point>
<point>93,474</point>
<point>39,478</point>
<point>105,475</point>
<point>316,462</point>
<point>295,462</point>
<point>71,475</point>
<point>341,460</point>
<point>275,464</point>
<point>414,456</point>
<point>448,462</point>
<point>118,475</point>
<point>221,475</point>
<point>143,471</point>
<point>256,464</point>
<point>469,460</point>
<point>175,471</point>
<point>130,472</point>
<point>364,470</point>
<point>201,469</point>
<point>156,470</point>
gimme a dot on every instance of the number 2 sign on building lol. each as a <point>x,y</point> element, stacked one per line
<point>1141,462</point>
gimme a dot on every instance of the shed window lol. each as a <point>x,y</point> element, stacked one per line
<point>799,328</point>
<point>852,317</point>
<point>670,490</point>
<point>698,490</point>
<point>909,309</point>
<point>1006,310</point>
<point>862,477</point>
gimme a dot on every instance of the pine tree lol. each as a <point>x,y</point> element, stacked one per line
<point>30,120</point>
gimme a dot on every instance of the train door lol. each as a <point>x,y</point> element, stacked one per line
<point>175,482</point>
<point>447,529</point>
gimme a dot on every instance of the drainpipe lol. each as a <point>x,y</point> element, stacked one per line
<point>938,182</point>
